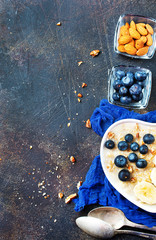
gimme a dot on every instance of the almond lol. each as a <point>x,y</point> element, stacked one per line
<point>139,44</point>
<point>127,25</point>
<point>134,34</point>
<point>132,24</point>
<point>142,24</point>
<point>149,29</point>
<point>141,30</point>
<point>124,39</point>
<point>121,48</point>
<point>130,49</point>
<point>143,39</point>
<point>124,31</point>
<point>94,53</point>
<point>142,51</point>
<point>149,40</point>
<point>132,42</point>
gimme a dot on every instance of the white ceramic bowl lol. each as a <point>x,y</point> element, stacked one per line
<point>114,179</point>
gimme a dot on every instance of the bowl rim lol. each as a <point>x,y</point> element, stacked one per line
<point>116,40</point>
<point>144,206</point>
<point>143,106</point>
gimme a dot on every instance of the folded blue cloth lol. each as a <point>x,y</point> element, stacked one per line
<point>96,189</point>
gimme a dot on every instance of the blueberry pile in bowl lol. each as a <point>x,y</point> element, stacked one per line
<point>129,86</point>
<point>128,144</point>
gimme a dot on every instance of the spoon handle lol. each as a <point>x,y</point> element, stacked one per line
<point>136,225</point>
<point>141,234</point>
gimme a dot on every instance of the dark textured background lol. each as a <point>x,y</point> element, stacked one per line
<point>38,77</point>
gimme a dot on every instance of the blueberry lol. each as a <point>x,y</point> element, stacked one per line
<point>122,145</point>
<point>117,84</point>
<point>124,175</point>
<point>129,138</point>
<point>126,100</point>
<point>120,161</point>
<point>127,81</point>
<point>132,157</point>
<point>148,138</point>
<point>123,91</point>
<point>140,76</point>
<point>116,96</point>
<point>143,149</point>
<point>130,74</point>
<point>109,144</point>
<point>134,146</point>
<point>137,98</point>
<point>141,163</point>
<point>120,74</point>
<point>142,84</point>
<point>135,89</point>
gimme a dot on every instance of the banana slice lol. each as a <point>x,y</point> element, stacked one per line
<point>153,176</point>
<point>145,192</point>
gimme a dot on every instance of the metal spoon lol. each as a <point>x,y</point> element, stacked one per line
<point>115,217</point>
<point>100,229</point>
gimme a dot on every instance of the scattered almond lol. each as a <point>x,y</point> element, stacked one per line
<point>79,100</point>
<point>80,95</point>
<point>88,124</point>
<point>60,195</point>
<point>124,39</point>
<point>139,44</point>
<point>121,48</point>
<point>132,24</point>
<point>79,63</point>
<point>59,24</point>
<point>72,159</point>
<point>94,53</point>
<point>84,85</point>
<point>70,197</point>
<point>149,29</point>
<point>149,40</point>
<point>127,25</point>
<point>143,39</point>
<point>142,51</point>
<point>130,49</point>
<point>134,33</point>
<point>124,31</point>
<point>141,30</point>
<point>132,42</point>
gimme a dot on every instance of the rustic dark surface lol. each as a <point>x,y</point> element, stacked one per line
<point>38,76</point>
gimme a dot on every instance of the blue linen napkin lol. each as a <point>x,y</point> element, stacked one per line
<point>96,189</point>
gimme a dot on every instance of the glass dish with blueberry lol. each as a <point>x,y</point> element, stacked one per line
<point>129,86</point>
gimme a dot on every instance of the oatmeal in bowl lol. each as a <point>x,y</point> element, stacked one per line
<point>128,157</point>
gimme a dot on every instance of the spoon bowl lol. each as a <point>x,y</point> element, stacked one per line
<point>115,217</point>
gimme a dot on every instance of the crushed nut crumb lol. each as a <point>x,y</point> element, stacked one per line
<point>137,135</point>
<point>88,124</point>
<point>79,63</point>
<point>80,95</point>
<point>94,53</point>
<point>60,195</point>
<point>68,125</point>
<point>79,184</point>
<point>79,100</point>
<point>84,85</point>
<point>72,159</point>
<point>70,197</point>
<point>59,24</point>
<point>111,135</point>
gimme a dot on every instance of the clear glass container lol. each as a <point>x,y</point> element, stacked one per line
<point>143,103</point>
<point>137,19</point>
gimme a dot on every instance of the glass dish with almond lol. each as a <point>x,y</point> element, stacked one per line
<point>135,36</point>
